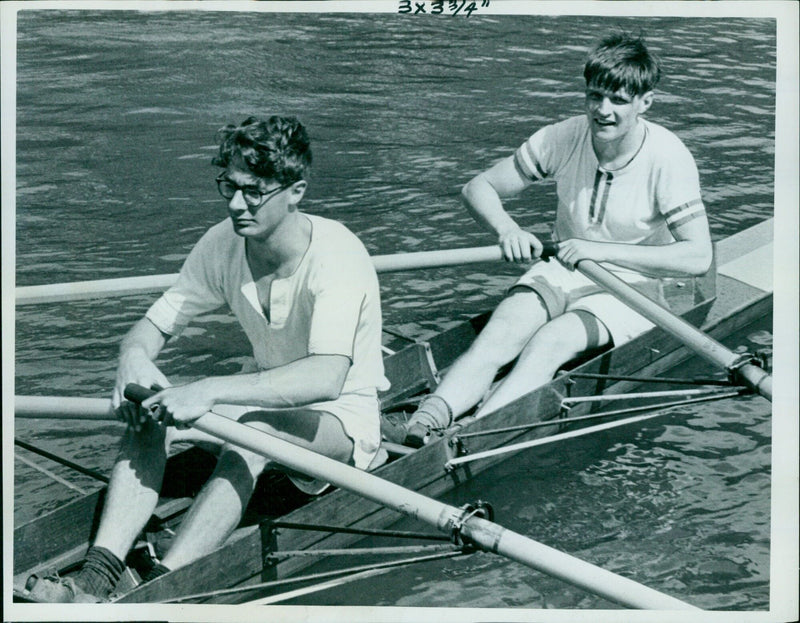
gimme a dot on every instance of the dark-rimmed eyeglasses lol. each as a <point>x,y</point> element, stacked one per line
<point>253,197</point>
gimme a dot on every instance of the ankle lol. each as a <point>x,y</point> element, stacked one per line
<point>433,412</point>
<point>100,572</point>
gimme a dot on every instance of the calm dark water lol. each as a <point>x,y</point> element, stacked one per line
<point>116,120</point>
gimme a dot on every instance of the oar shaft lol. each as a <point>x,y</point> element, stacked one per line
<point>484,533</point>
<point>703,345</point>
<point>79,290</point>
<point>435,259</point>
<point>99,288</point>
<point>62,408</point>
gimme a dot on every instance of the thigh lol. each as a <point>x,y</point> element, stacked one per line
<point>517,318</point>
<point>569,335</point>
<point>556,285</point>
<point>315,430</point>
<point>621,321</point>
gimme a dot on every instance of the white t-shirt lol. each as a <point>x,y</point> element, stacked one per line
<point>330,305</point>
<point>636,204</point>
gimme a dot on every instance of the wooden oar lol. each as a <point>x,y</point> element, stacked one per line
<point>468,526</point>
<point>62,408</point>
<point>741,369</point>
<point>79,290</point>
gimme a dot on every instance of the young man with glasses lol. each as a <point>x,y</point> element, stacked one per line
<point>628,196</point>
<point>306,294</point>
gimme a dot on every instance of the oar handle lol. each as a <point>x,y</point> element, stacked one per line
<point>137,393</point>
<point>550,249</point>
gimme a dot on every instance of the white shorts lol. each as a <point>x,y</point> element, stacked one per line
<point>364,451</point>
<point>563,290</point>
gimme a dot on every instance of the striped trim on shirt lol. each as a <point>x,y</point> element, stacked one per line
<point>684,213</point>
<point>600,192</point>
<point>527,165</point>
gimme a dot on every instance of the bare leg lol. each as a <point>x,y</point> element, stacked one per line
<point>218,508</point>
<point>133,490</point>
<point>557,342</point>
<point>512,324</point>
<point>135,484</point>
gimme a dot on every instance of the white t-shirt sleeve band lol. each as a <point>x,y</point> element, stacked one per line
<point>684,213</point>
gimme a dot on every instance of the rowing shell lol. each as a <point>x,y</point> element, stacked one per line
<point>59,538</point>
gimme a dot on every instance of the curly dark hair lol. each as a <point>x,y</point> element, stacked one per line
<point>277,148</point>
<point>622,61</point>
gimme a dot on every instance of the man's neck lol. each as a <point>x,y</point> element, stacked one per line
<point>279,254</point>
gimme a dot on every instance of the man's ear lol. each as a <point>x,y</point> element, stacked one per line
<point>645,101</point>
<point>296,192</point>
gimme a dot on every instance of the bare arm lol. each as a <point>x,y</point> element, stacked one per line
<point>137,354</point>
<point>138,351</point>
<point>690,254</point>
<point>316,378</point>
<point>483,195</point>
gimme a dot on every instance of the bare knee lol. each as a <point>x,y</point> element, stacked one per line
<point>549,340</point>
<point>515,321</point>
<point>341,451</point>
<point>565,338</point>
<point>235,459</point>
<point>144,442</point>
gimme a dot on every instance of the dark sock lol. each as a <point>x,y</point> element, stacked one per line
<point>100,573</point>
<point>157,570</point>
<point>433,412</point>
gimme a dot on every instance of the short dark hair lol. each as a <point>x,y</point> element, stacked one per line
<point>622,61</point>
<point>277,148</point>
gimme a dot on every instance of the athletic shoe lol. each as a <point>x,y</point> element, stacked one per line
<point>52,589</point>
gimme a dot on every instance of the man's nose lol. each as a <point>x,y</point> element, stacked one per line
<point>604,106</point>
<point>237,202</point>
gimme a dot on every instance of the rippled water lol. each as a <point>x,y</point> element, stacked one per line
<point>116,118</point>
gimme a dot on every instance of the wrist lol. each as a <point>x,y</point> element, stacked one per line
<point>208,389</point>
<point>507,229</point>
